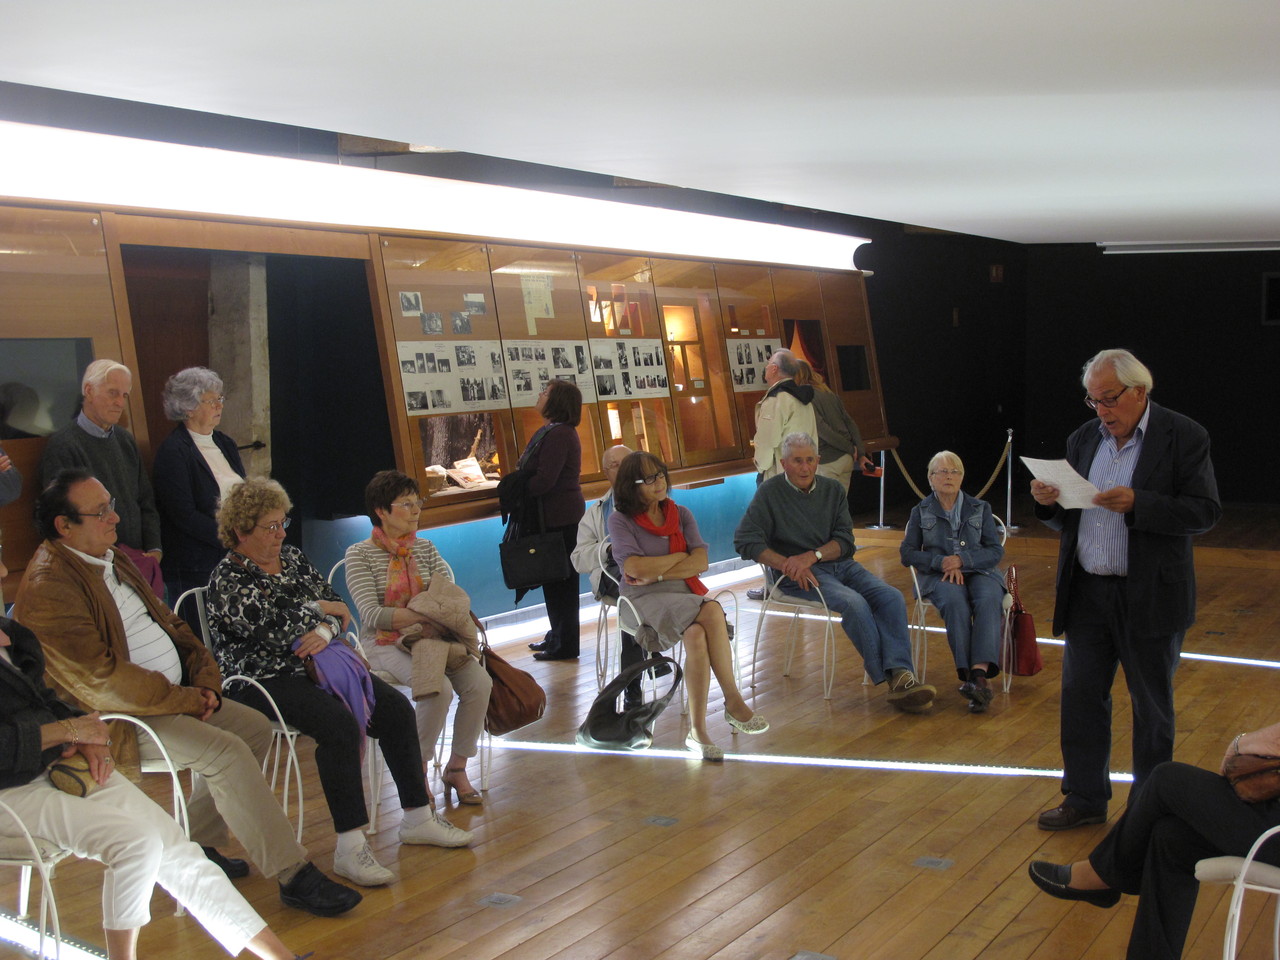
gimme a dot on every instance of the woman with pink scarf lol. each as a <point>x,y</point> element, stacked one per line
<point>384,573</point>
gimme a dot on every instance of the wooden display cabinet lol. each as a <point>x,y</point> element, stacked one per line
<point>701,385</point>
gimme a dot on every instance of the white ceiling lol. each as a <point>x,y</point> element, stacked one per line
<point>1027,120</point>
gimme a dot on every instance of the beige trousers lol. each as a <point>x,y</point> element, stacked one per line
<point>227,751</point>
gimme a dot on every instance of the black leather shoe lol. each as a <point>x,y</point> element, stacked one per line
<point>233,868</point>
<point>538,645</point>
<point>1055,880</point>
<point>312,891</point>
<point>554,655</point>
<point>1066,818</point>
<point>755,593</point>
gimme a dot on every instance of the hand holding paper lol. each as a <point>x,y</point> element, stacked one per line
<point>1074,491</point>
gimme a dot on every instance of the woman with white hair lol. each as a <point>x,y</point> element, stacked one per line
<point>952,542</point>
<point>195,467</point>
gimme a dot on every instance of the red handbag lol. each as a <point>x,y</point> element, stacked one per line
<point>1023,653</point>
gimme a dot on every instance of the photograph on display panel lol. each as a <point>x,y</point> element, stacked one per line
<point>747,360</point>
<point>442,376</point>
<point>532,364</point>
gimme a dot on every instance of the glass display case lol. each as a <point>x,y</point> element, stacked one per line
<point>752,334</point>
<point>449,367</point>
<point>701,382</point>
<point>628,355</point>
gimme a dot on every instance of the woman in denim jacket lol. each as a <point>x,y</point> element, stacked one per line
<point>952,542</point>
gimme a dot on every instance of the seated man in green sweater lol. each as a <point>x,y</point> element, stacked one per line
<point>798,523</point>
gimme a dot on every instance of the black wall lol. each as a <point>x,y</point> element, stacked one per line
<point>1194,319</point>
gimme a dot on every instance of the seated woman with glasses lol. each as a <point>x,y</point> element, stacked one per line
<point>195,467</point>
<point>953,543</point>
<point>661,553</point>
<point>275,618</point>
<point>384,573</point>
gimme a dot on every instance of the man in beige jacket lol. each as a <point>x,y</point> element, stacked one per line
<point>110,645</point>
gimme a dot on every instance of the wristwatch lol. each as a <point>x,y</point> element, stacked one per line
<point>818,554</point>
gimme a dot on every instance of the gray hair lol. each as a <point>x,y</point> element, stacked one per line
<point>1129,370</point>
<point>98,371</point>
<point>184,390</point>
<point>798,439</point>
<point>787,362</point>
<point>945,456</point>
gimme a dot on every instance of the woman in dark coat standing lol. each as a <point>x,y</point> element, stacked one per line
<point>195,467</point>
<point>554,457</point>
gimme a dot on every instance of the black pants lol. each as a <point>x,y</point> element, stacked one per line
<point>1101,637</point>
<point>561,598</point>
<point>324,719</point>
<point>1180,815</point>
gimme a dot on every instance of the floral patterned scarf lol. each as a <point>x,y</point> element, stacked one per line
<point>403,580</point>
<point>675,536</point>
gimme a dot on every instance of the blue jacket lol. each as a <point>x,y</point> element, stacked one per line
<point>187,497</point>
<point>929,539</point>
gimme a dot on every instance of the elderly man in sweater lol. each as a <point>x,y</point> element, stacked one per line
<point>798,524</point>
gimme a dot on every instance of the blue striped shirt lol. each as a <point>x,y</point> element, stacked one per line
<point>1103,544</point>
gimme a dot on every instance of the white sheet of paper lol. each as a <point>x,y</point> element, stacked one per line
<point>1074,491</point>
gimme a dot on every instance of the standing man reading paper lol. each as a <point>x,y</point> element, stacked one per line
<point>1126,590</point>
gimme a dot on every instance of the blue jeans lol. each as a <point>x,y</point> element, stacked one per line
<point>872,613</point>
<point>973,612</point>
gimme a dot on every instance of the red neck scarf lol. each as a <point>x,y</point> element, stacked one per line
<point>675,536</point>
<point>403,580</point>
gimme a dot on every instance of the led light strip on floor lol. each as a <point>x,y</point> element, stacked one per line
<point>27,938</point>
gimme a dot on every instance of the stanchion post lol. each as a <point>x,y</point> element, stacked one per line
<point>884,475</point>
<point>1008,496</point>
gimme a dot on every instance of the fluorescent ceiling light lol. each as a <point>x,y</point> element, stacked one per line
<point>1189,246</point>
<point>42,163</point>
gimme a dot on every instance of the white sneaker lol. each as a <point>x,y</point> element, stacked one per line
<point>436,831</point>
<point>360,867</point>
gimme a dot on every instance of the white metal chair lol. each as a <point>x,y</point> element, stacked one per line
<point>284,735</point>
<point>606,663</point>
<point>373,761</point>
<point>775,597</point>
<point>30,853</point>
<point>920,622</point>
<point>1244,873</point>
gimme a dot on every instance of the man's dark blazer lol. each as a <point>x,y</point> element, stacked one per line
<point>1175,498</point>
<point>187,495</point>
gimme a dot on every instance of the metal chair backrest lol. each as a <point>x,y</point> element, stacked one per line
<point>196,597</point>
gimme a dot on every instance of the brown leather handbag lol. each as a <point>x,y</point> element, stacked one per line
<point>1254,778</point>
<point>516,700</point>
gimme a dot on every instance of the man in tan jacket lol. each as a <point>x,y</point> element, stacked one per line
<point>111,646</point>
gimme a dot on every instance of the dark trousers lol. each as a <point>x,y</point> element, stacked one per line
<point>1180,815</point>
<point>561,598</point>
<point>324,719</point>
<point>1100,637</point>
<point>631,654</point>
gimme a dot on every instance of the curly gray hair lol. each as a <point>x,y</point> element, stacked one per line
<point>182,391</point>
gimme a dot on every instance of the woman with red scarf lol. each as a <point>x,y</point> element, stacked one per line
<point>384,573</point>
<point>661,554</point>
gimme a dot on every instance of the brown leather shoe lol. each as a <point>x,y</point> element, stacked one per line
<point>1066,817</point>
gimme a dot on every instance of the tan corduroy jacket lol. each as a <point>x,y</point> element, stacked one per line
<point>67,604</point>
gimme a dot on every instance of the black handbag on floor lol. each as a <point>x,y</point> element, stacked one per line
<point>608,728</point>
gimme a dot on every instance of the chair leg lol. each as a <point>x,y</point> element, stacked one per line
<point>373,775</point>
<point>24,893</point>
<point>1233,921</point>
<point>1275,932</point>
<point>829,659</point>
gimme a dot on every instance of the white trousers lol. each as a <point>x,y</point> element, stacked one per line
<point>141,846</point>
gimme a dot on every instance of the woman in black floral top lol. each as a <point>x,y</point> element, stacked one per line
<point>273,616</point>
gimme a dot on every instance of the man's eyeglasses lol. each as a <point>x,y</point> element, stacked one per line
<point>275,527</point>
<point>100,515</point>
<point>947,472</point>
<point>408,504</point>
<point>650,480</point>
<point>1105,402</point>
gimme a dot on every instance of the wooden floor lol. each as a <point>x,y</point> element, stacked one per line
<point>791,845</point>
